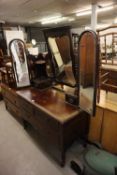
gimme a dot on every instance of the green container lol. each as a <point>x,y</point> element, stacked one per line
<point>101,161</point>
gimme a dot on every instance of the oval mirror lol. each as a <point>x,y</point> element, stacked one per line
<point>19,61</point>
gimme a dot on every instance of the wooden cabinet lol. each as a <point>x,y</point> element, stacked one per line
<point>96,126</point>
<point>103,127</point>
<point>57,122</point>
<point>109,131</point>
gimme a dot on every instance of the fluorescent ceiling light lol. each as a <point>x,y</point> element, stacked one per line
<point>50,18</point>
<point>71,19</point>
<point>88,12</point>
<point>84,13</point>
<point>115,20</point>
<point>99,26</point>
<point>87,28</point>
<point>104,9</point>
<point>53,20</point>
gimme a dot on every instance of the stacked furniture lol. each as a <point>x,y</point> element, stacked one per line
<point>108,58</point>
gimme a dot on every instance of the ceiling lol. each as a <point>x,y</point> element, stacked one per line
<point>29,12</point>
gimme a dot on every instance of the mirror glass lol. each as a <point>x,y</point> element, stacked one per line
<point>60,49</point>
<point>87,71</point>
<point>19,60</point>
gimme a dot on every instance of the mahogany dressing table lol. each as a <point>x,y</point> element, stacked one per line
<point>58,122</point>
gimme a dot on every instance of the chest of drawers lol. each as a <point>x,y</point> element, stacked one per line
<point>57,122</point>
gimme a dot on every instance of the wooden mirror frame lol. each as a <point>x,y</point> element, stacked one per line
<point>95,67</point>
<point>16,86</point>
<point>59,32</point>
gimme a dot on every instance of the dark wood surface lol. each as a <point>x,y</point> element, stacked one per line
<point>58,123</point>
<point>50,101</point>
<point>87,53</point>
<point>110,81</point>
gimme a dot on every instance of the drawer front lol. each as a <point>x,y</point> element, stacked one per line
<point>47,128</point>
<point>26,106</point>
<point>12,108</point>
<point>45,119</point>
<point>26,115</point>
<point>13,98</point>
<point>46,131</point>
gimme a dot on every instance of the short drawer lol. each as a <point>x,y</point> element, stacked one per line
<point>26,115</point>
<point>12,98</point>
<point>46,131</point>
<point>12,108</point>
<point>26,106</point>
<point>44,119</point>
<point>43,126</point>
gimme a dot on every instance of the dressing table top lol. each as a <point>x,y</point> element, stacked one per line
<point>51,101</point>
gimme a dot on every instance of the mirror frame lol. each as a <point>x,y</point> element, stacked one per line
<point>59,32</point>
<point>95,68</point>
<point>13,62</point>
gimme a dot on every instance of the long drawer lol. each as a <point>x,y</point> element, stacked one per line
<point>45,125</point>
<point>45,119</point>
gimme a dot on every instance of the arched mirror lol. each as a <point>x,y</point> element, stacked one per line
<point>88,70</point>
<point>60,46</point>
<point>19,61</point>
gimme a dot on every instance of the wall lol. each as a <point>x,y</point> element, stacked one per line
<point>34,33</point>
<point>78,30</point>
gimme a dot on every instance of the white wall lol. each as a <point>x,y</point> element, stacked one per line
<point>13,34</point>
<point>78,30</point>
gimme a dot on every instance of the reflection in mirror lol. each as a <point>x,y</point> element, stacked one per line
<point>60,48</point>
<point>19,59</point>
<point>88,56</point>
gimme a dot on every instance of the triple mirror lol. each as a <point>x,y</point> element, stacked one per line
<point>79,73</point>
<point>19,62</point>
